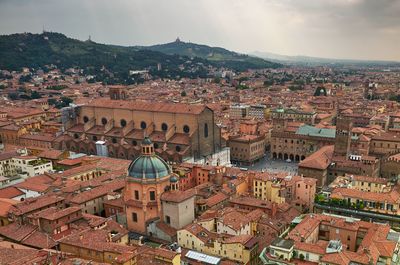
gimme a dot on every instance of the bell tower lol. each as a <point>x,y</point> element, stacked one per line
<point>174,183</point>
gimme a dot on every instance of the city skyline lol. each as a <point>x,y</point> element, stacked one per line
<point>341,29</point>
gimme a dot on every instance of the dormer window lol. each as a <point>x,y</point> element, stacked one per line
<point>104,121</point>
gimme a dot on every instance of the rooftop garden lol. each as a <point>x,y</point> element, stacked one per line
<point>38,162</point>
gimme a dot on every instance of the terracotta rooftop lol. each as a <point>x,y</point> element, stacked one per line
<point>320,159</point>
<point>147,106</point>
<point>5,205</point>
<point>10,192</point>
<point>177,196</point>
<point>33,204</point>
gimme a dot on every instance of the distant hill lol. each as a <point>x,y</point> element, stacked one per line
<point>216,55</point>
<point>309,60</point>
<point>38,50</point>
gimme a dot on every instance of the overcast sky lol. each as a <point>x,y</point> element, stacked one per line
<point>356,29</point>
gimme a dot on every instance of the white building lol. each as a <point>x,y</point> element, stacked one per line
<point>29,166</point>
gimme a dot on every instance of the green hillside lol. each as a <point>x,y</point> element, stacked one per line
<point>218,56</point>
<point>111,63</point>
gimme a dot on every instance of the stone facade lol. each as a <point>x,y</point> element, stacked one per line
<point>177,130</point>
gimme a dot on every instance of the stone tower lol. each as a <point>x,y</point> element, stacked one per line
<point>343,137</point>
<point>117,92</point>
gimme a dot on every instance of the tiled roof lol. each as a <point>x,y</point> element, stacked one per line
<point>147,106</point>
<point>16,231</point>
<point>8,155</point>
<point>10,192</point>
<point>54,213</point>
<point>29,185</point>
<point>51,154</point>
<point>98,191</point>
<point>320,159</point>
<point>392,197</point>
<point>166,228</point>
<point>234,220</point>
<point>32,204</point>
<point>16,256</point>
<point>177,196</point>
<point>5,205</point>
<point>215,199</point>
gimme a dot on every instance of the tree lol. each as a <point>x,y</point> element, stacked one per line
<point>217,80</point>
<point>35,95</point>
<point>301,256</point>
<point>183,94</point>
<point>319,198</point>
<point>66,100</point>
<point>268,83</point>
<point>52,101</point>
<point>13,96</point>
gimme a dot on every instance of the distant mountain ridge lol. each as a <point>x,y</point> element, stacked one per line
<point>301,59</point>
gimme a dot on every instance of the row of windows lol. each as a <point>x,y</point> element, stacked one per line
<point>143,124</point>
<point>152,195</point>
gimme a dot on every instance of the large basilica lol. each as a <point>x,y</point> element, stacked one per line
<point>177,131</point>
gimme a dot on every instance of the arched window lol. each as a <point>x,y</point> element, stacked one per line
<point>85,119</point>
<point>205,130</point>
<point>143,125</point>
<point>103,121</point>
<point>155,145</point>
<point>186,129</point>
<point>134,143</point>
<point>76,136</point>
<point>114,140</point>
<point>178,148</point>
<point>164,127</point>
<point>123,123</point>
<point>152,195</point>
<point>94,138</point>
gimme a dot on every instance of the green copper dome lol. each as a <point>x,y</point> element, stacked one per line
<point>174,179</point>
<point>148,167</point>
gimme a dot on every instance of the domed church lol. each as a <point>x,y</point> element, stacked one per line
<point>148,177</point>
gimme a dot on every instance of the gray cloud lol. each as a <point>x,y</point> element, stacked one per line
<point>360,29</point>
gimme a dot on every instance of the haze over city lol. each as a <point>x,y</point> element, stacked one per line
<point>345,29</point>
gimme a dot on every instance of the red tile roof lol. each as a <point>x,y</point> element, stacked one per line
<point>147,106</point>
<point>10,192</point>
